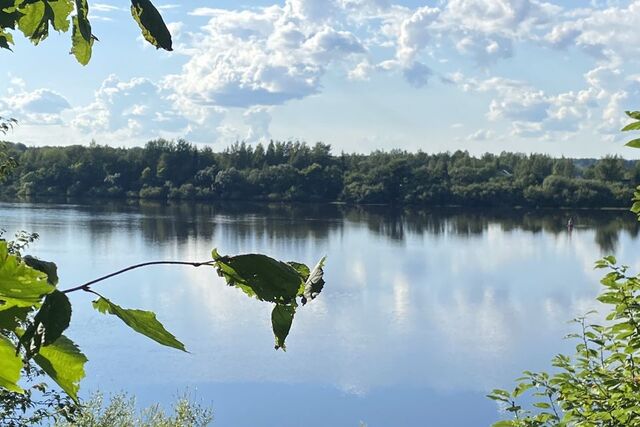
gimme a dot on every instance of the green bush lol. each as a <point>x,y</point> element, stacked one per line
<point>600,384</point>
<point>121,411</point>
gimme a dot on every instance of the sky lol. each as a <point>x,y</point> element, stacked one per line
<point>479,75</point>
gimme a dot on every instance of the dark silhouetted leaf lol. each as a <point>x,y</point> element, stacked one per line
<point>49,268</point>
<point>259,275</point>
<point>48,324</point>
<point>11,318</point>
<point>281,320</point>
<point>151,23</point>
<point>143,322</point>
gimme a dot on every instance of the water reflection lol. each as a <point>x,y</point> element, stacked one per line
<point>162,222</point>
<point>440,305</point>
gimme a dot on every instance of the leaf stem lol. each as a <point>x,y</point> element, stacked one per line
<point>85,286</point>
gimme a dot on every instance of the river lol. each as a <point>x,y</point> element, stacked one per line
<point>423,312</point>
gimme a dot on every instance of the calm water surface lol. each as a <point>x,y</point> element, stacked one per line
<point>423,312</point>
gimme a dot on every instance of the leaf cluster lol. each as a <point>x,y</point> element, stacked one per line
<point>36,18</point>
<point>273,281</point>
<point>34,313</point>
<point>600,384</point>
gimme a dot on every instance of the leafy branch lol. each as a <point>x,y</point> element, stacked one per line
<point>34,314</point>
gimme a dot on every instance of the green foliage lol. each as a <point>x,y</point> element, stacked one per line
<point>258,275</point>
<point>600,384</point>
<point>35,18</point>
<point>10,367</point>
<point>273,281</point>
<point>34,314</point>
<point>48,324</point>
<point>20,285</point>
<point>281,321</point>
<point>291,171</point>
<point>121,412</point>
<point>64,363</point>
<point>635,125</point>
<point>7,162</point>
<point>38,404</point>
<point>143,322</point>
<point>81,37</point>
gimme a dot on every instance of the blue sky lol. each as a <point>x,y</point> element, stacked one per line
<point>440,75</point>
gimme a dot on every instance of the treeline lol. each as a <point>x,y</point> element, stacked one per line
<point>288,171</point>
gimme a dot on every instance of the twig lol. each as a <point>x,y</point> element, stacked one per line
<point>85,286</point>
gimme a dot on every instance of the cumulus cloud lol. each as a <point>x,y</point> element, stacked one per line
<point>257,120</point>
<point>141,108</point>
<point>603,33</point>
<point>251,60</point>
<point>41,106</point>
<point>265,56</point>
<point>480,135</point>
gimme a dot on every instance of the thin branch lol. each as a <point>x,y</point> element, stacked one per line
<point>85,286</point>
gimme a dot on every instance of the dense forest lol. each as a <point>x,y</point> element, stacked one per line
<point>293,171</point>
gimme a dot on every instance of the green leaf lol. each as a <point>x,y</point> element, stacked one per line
<point>633,114</point>
<point>151,23</point>
<point>10,367</point>
<point>11,318</point>
<point>143,322</point>
<point>631,126</point>
<point>260,276</point>
<point>48,268</point>
<point>81,36</point>
<point>634,143</point>
<point>20,285</point>
<point>542,405</point>
<point>5,39</point>
<point>61,9</point>
<point>64,363</point>
<point>281,320</point>
<point>33,23</point>
<point>48,324</point>
<point>302,269</point>
<point>521,388</point>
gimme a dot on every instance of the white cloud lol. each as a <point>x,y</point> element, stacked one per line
<point>480,135</point>
<point>258,120</point>
<point>244,62</point>
<point>41,106</point>
<point>139,108</point>
<point>600,32</point>
<point>265,56</point>
<point>104,7</point>
<point>415,34</point>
